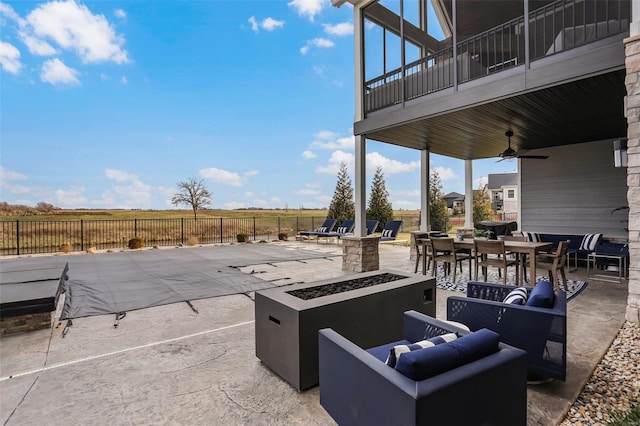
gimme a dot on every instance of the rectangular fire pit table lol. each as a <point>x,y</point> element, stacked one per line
<point>366,308</point>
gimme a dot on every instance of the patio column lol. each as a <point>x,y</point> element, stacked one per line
<point>468,194</point>
<point>425,217</point>
<point>360,252</point>
<point>632,81</point>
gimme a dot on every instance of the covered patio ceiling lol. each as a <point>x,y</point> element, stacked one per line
<point>584,110</point>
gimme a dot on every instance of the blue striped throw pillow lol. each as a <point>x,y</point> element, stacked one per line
<point>516,296</point>
<point>590,241</point>
<point>396,351</point>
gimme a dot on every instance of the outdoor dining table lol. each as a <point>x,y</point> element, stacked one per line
<point>520,247</point>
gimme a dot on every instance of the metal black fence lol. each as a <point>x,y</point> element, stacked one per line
<point>50,236</point>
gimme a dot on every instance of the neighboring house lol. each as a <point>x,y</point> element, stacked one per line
<point>503,190</point>
<point>454,201</point>
<point>502,78</point>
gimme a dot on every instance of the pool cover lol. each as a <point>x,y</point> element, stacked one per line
<point>108,283</point>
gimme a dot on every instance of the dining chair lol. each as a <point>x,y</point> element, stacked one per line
<point>520,257</point>
<point>444,250</point>
<point>423,248</point>
<point>491,253</point>
<point>554,263</point>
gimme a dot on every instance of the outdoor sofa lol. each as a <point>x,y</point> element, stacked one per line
<point>581,245</point>
<point>540,329</point>
<point>358,388</point>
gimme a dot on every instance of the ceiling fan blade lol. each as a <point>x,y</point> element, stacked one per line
<point>535,157</point>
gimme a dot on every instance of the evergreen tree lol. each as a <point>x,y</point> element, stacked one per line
<point>379,207</point>
<point>342,205</point>
<point>438,214</point>
<point>482,205</point>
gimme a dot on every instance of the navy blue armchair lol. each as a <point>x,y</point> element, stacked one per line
<point>358,388</point>
<point>541,332</point>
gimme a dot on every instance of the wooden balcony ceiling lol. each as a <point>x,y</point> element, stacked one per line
<point>580,111</point>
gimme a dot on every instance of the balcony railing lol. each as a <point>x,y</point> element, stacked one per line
<point>556,27</point>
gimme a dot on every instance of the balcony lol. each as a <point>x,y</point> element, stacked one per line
<point>552,29</point>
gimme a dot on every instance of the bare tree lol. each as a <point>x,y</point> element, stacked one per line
<point>192,192</point>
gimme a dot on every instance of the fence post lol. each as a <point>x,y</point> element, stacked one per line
<point>182,230</point>
<point>81,234</point>
<point>254,228</point>
<point>135,227</point>
<point>297,224</point>
<point>279,231</point>
<point>18,236</point>
<point>221,240</point>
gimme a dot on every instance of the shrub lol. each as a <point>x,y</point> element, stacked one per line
<point>66,248</point>
<point>283,236</point>
<point>193,241</point>
<point>136,243</point>
<point>242,238</point>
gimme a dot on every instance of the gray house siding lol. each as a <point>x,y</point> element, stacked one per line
<point>586,188</point>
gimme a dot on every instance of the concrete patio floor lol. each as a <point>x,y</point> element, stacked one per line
<point>171,365</point>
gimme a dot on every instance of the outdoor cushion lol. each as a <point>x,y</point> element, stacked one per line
<point>398,350</point>
<point>590,241</point>
<point>533,237</point>
<point>429,362</point>
<point>517,296</point>
<point>542,295</point>
<point>387,232</point>
<point>342,229</point>
<point>322,229</point>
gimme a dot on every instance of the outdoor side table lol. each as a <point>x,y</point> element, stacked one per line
<point>622,267</point>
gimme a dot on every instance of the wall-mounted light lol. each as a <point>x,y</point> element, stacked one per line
<point>620,152</point>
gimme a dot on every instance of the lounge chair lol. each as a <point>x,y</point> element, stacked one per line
<point>345,228</point>
<point>390,231</point>
<point>327,226</point>
<point>358,388</point>
<point>372,225</point>
<point>541,331</point>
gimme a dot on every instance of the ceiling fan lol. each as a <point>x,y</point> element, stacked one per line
<point>511,153</point>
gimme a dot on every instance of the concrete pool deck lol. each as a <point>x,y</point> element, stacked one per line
<point>171,365</point>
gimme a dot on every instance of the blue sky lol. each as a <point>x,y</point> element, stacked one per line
<point>108,104</point>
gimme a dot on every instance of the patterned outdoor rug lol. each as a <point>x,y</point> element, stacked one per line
<point>444,282</point>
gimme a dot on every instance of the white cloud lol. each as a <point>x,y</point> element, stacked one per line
<point>267,24</point>
<point>70,198</point>
<point>251,173</point>
<point>341,29</point>
<point>10,58</point>
<point>316,42</point>
<point>225,177</point>
<point>334,162</point>
<point>123,80</point>
<point>54,71</point>
<point>37,46</point>
<point>73,27</point>
<point>119,175</point>
<point>119,13</point>
<point>276,201</point>
<point>389,166</point>
<point>128,192</point>
<point>8,11</point>
<point>307,8</point>
<point>9,175</point>
<point>306,191</point>
<point>445,173</point>
<point>254,24</point>
<point>270,24</point>
<point>329,140</point>
<point>308,155</point>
